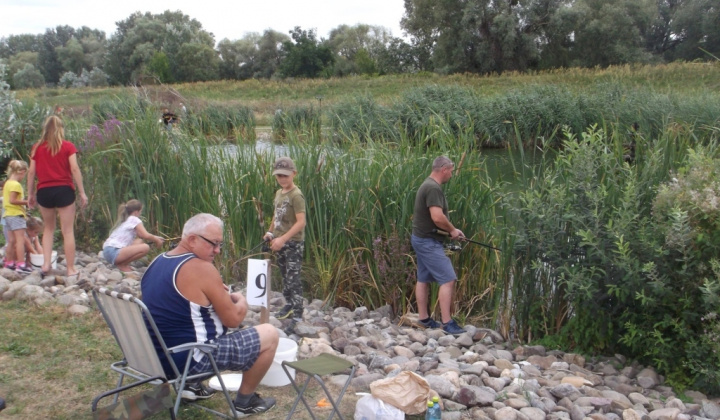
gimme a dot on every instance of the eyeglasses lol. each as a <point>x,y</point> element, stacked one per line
<point>218,245</point>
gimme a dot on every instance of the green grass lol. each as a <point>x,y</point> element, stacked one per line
<point>53,364</point>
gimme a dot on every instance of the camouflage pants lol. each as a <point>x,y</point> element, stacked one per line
<point>289,259</point>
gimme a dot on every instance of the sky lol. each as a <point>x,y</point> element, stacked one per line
<point>225,18</point>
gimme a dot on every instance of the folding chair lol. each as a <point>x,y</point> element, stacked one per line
<point>136,407</point>
<point>126,315</point>
<point>314,368</point>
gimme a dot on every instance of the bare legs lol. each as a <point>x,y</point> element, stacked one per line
<point>67,222</point>
<point>268,344</point>
<point>130,253</point>
<point>445,298</point>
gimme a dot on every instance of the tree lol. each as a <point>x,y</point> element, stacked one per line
<point>693,30</point>
<point>360,42</point>
<point>269,54</point>
<point>479,36</point>
<point>197,62</point>
<point>137,39</point>
<point>71,56</point>
<point>48,62</point>
<point>28,77</point>
<point>398,57</point>
<point>159,66</point>
<point>97,78</point>
<point>238,58</point>
<point>619,26</point>
<point>305,56</point>
<point>15,44</point>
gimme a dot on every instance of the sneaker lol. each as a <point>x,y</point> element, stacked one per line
<point>452,328</point>
<point>255,405</point>
<point>285,312</point>
<point>430,323</point>
<point>197,391</point>
<point>23,268</point>
<point>9,264</point>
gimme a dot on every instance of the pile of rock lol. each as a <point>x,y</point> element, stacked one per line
<point>477,374</point>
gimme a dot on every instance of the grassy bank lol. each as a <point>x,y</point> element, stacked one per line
<point>53,364</point>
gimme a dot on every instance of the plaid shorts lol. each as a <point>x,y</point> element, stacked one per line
<point>237,351</point>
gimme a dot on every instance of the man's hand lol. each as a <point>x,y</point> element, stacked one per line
<point>457,234</point>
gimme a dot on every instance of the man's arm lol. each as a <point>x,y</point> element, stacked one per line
<point>200,282</point>
<point>442,222</point>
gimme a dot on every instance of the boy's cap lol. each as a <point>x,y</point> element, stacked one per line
<point>284,166</point>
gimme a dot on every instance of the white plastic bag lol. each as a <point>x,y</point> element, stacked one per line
<point>371,408</point>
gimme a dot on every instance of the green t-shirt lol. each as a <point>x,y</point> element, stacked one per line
<point>430,194</point>
<point>287,205</point>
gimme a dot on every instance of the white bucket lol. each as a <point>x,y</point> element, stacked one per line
<point>286,351</point>
<point>232,382</point>
<point>36,260</point>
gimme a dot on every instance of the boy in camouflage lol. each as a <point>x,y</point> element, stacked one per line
<point>287,236</point>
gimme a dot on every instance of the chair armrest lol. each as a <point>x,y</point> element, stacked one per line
<point>203,347</point>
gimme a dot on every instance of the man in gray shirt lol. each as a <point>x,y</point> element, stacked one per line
<point>429,216</point>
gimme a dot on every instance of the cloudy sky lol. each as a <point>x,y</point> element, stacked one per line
<point>225,19</point>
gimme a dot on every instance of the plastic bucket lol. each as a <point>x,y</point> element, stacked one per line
<point>36,260</point>
<point>286,351</point>
<point>232,382</point>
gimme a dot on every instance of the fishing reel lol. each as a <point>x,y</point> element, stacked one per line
<point>266,247</point>
<point>452,248</point>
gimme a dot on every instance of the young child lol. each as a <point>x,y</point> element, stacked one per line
<point>125,243</point>
<point>32,241</point>
<point>287,236</point>
<point>14,203</point>
<point>35,225</point>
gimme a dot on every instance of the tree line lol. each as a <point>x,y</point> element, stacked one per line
<point>443,36</point>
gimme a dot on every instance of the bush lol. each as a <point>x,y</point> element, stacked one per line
<point>28,77</point>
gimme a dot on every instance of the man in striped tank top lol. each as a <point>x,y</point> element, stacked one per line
<point>190,303</point>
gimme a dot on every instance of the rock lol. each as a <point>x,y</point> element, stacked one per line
<point>78,309</point>
<point>575,381</point>
<point>710,409</point>
<point>471,396</point>
<point>664,413</point>
<point>506,413</point>
<point>647,378</point>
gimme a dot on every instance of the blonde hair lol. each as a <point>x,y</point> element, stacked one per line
<point>126,209</point>
<point>35,224</point>
<point>53,133</point>
<point>16,166</point>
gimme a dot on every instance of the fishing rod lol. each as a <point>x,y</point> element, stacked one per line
<point>442,232</point>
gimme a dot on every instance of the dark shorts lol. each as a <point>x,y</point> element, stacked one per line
<point>55,197</point>
<point>236,351</point>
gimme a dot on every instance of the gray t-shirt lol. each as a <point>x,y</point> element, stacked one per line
<point>430,194</point>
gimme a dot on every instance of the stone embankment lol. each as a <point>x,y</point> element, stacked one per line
<point>477,374</point>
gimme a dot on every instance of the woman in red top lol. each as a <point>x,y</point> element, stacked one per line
<point>54,160</point>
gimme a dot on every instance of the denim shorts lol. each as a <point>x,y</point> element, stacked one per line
<point>432,263</point>
<point>15,222</point>
<point>110,253</point>
<point>237,351</point>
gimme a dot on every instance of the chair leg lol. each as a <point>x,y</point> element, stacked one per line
<point>300,395</point>
<point>119,384</point>
<point>333,401</point>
